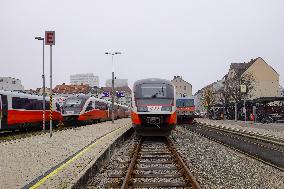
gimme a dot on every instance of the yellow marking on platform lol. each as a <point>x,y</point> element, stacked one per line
<point>41,181</point>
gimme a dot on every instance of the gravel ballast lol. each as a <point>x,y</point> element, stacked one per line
<point>212,164</point>
<point>217,166</point>
<point>25,159</point>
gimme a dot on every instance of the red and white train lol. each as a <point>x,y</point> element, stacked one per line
<point>185,110</point>
<point>153,107</point>
<point>20,110</point>
<point>88,109</point>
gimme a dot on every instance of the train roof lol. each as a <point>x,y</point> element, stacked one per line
<point>79,96</point>
<point>153,80</point>
<point>20,94</point>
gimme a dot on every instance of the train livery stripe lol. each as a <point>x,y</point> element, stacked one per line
<point>29,116</point>
<point>41,179</point>
<point>135,118</point>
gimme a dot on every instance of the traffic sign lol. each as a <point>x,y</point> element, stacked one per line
<point>49,37</point>
<point>243,88</point>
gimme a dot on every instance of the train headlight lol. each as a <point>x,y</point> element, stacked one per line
<point>166,108</point>
<point>142,109</point>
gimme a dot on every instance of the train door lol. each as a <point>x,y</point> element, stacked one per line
<point>3,111</point>
<point>0,112</point>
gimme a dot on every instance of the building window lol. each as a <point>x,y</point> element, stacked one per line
<point>13,82</point>
<point>1,80</point>
<point>184,87</point>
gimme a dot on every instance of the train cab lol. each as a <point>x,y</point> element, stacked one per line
<point>153,110</point>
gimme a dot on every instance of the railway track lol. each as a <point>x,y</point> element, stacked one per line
<point>155,163</point>
<point>266,151</point>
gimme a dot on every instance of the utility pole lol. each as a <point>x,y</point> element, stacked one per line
<point>243,91</point>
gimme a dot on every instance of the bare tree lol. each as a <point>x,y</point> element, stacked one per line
<point>208,98</point>
<point>232,88</point>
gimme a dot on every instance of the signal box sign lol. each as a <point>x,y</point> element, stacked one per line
<point>49,37</point>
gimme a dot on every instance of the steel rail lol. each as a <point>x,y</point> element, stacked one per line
<point>186,172</point>
<point>132,165</point>
<point>174,158</point>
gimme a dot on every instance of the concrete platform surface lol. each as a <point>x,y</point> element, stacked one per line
<point>26,159</point>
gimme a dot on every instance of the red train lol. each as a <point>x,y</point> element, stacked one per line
<point>185,110</point>
<point>21,111</point>
<point>87,109</point>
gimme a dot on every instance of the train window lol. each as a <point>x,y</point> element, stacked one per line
<point>185,103</point>
<point>73,102</point>
<point>58,107</point>
<point>153,90</point>
<point>47,105</point>
<point>90,106</point>
<point>25,103</point>
<point>18,103</point>
<point>100,105</point>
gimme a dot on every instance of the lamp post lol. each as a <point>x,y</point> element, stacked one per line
<point>43,83</point>
<point>243,91</point>
<point>112,83</point>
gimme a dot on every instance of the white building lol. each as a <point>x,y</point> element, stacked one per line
<point>183,88</point>
<point>281,90</point>
<point>10,84</point>
<point>117,83</point>
<point>88,78</point>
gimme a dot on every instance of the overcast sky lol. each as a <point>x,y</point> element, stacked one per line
<point>158,38</point>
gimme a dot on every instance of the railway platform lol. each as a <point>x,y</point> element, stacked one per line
<point>273,130</point>
<point>60,161</point>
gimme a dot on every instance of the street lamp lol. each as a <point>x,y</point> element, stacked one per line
<point>43,83</point>
<point>112,84</point>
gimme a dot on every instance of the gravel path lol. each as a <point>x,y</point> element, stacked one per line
<point>23,160</point>
<point>217,166</point>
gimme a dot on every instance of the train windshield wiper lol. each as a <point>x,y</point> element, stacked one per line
<point>155,95</point>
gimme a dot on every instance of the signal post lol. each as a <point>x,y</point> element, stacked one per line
<point>50,40</point>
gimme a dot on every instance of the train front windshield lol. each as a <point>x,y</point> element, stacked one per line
<point>74,102</point>
<point>154,94</point>
<point>181,103</point>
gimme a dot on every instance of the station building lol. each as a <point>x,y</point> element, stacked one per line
<point>183,88</point>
